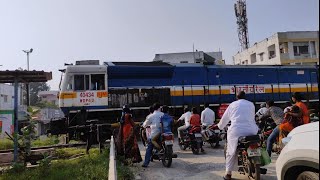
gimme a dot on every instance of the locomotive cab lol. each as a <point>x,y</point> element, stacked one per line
<point>84,87</point>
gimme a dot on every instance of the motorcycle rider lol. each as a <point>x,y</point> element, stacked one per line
<point>277,115</point>
<point>241,114</point>
<point>304,113</point>
<point>195,122</point>
<point>207,116</point>
<point>144,131</point>
<point>166,120</point>
<point>186,117</point>
<point>154,122</point>
<point>263,109</point>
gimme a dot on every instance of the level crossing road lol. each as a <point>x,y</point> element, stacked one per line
<point>188,166</point>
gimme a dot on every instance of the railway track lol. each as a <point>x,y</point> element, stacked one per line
<point>48,147</point>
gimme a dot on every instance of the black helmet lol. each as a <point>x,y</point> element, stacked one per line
<point>126,108</point>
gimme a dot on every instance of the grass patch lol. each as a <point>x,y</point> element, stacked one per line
<point>6,144</point>
<point>52,140</point>
<point>93,166</point>
<point>124,172</point>
<point>65,153</point>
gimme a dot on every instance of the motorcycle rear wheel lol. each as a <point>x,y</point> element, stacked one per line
<point>182,146</point>
<point>167,157</point>
<point>254,171</point>
<point>214,144</point>
<point>196,148</point>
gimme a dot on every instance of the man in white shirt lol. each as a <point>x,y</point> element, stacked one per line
<point>153,121</point>
<point>207,116</point>
<point>262,111</point>
<point>241,114</point>
<point>186,117</point>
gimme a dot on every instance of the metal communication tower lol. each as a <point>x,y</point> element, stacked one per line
<point>242,21</point>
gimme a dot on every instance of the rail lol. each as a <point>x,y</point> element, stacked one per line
<point>112,161</point>
<point>48,147</point>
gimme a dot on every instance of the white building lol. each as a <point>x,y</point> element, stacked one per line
<point>283,48</point>
<point>6,97</point>
<point>7,107</point>
<point>49,96</point>
<point>190,57</point>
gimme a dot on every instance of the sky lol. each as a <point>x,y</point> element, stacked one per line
<point>63,31</point>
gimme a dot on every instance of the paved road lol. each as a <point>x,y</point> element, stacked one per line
<point>188,166</point>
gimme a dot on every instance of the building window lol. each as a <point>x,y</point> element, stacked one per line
<point>296,51</point>
<point>272,54</point>
<point>253,58</point>
<point>304,49</point>
<point>183,61</point>
<point>272,51</point>
<point>5,98</point>
<point>300,48</point>
<point>261,56</point>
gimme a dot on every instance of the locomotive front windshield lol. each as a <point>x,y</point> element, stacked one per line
<point>84,82</point>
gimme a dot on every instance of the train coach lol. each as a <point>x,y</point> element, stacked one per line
<point>93,91</point>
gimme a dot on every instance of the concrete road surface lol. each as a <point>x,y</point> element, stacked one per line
<point>188,166</point>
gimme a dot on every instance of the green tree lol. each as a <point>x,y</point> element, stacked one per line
<point>35,87</point>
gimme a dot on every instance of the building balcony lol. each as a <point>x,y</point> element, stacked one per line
<point>284,56</point>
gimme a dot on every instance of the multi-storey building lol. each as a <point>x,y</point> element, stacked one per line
<point>283,48</point>
<point>191,57</point>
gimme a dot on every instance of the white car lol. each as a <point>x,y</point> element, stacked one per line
<point>299,159</point>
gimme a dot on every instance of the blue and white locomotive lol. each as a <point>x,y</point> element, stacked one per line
<point>93,91</point>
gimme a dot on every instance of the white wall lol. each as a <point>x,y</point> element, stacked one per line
<point>49,96</point>
<point>6,92</point>
<point>258,48</point>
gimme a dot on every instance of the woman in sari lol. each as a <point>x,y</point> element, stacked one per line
<point>127,141</point>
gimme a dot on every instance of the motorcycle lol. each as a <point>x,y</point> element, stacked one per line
<point>166,142</point>
<point>212,135</point>
<point>266,126</point>
<point>249,156</point>
<point>191,138</point>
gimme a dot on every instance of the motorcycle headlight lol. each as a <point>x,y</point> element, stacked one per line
<point>286,140</point>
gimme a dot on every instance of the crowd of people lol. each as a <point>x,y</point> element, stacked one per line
<point>241,114</point>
